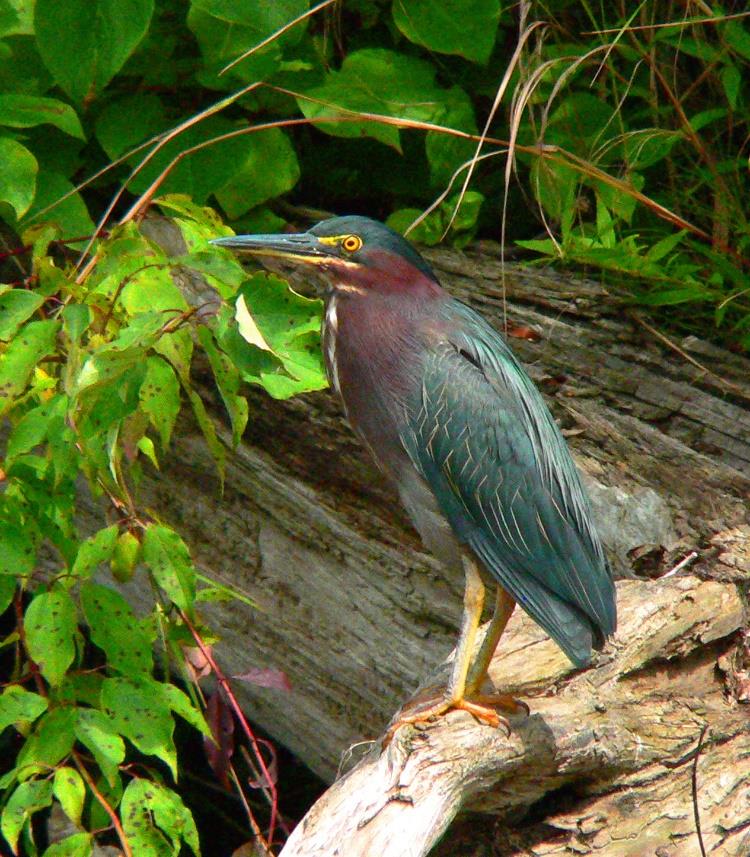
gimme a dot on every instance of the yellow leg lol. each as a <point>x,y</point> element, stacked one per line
<point>467,676</point>
<point>504,605</point>
<point>472,616</point>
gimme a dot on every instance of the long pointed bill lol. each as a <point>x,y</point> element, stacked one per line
<point>302,247</point>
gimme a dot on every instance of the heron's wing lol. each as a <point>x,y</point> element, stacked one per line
<point>485,442</point>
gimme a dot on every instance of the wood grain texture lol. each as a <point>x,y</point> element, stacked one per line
<point>357,614</point>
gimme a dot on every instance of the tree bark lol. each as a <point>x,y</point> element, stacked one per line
<point>357,614</point>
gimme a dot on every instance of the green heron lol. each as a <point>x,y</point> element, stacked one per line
<point>457,425</point>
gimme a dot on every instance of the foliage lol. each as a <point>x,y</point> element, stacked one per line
<point>92,380</point>
<point>627,132</point>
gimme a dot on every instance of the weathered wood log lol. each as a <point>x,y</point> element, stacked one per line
<point>634,717</point>
<point>356,614</point>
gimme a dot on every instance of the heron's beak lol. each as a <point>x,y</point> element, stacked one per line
<point>301,247</point>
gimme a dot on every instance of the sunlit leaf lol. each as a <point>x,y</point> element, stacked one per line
<point>168,557</point>
<point>28,798</point>
<point>115,629</point>
<point>99,733</point>
<point>50,624</point>
<point>16,306</point>
<point>18,175</point>
<point>94,551</point>
<point>155,819</point>
<point>70,790</point>
<point>139,711</point>
<point>18,705</point>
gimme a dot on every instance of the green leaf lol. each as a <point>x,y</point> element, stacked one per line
<point>253,182</point>
<point>70,790</point>
<point>7,591</point>
<point>168,557</point>
<point>99,733</point>
<point>27,799</point>
<point>228,381</point>
<point>271,317</point>
<point>180,703</point>
<point>49,743</point>
<point>200,173</point>
<point>205,423</point>
<point>160,397</point>
<point>50,625</point>
<point>375,80</point>
<point>139,711</point>
<point>155,819</point>
<point>128,121</point>
<point>18,175</point>
<point>33,342</point>
<point>18,110</point>
<point>223,41</point>
<point>70,215</point>
<point>115,629</point>
<point>84,43</point>
<point>77,845</point>
<point>17,551</point>
<point>647,147</point>
<point>20,706</point>
<point>76,319</point>
<point>16,306</point>
<point>450,26</point>
<point>95,550</point>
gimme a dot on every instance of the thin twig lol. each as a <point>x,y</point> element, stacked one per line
<point>681,564</point>
<point>105,805</point>
<point>224,682</point>
<point>676,348</point>
<point>696,808</point>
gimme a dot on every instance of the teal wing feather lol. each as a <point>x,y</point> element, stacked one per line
<point>484,440</point>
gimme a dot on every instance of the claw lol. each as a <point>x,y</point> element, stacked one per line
<point>482,707</point>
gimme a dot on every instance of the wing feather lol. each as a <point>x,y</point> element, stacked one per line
<point>485,442</point>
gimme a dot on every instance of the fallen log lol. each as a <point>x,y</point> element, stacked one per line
<point>356,614</point>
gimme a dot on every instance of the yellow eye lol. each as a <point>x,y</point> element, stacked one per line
<point>351,243</point>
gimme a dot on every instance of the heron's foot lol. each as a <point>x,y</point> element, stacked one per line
<point>434,702</point>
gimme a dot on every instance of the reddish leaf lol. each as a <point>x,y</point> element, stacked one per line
<point>219,752</point>
<point>265,678</point>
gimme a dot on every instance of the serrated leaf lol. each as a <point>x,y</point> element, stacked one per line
<point>35,426</point>
<point>450,26</point>
<point>77,845</point>
<point>168,557</point>
<point>18,705</point>
<point>84,43</point>
<point>95,550</point>
<point>160,397</point>
<point>139,711</point>
<point>18,175</point>
<point>28,798</point>
<point>33,341</point>
<point>95,730</point>
<point>206,425</point>
<point>70,790</point>
<point>50,625</point>
<point>155,819</point>
<point>16,306</point>
<point>21,110</point>
<point>76,319</point>
<point>49,743</point>
<point>115,629</point>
